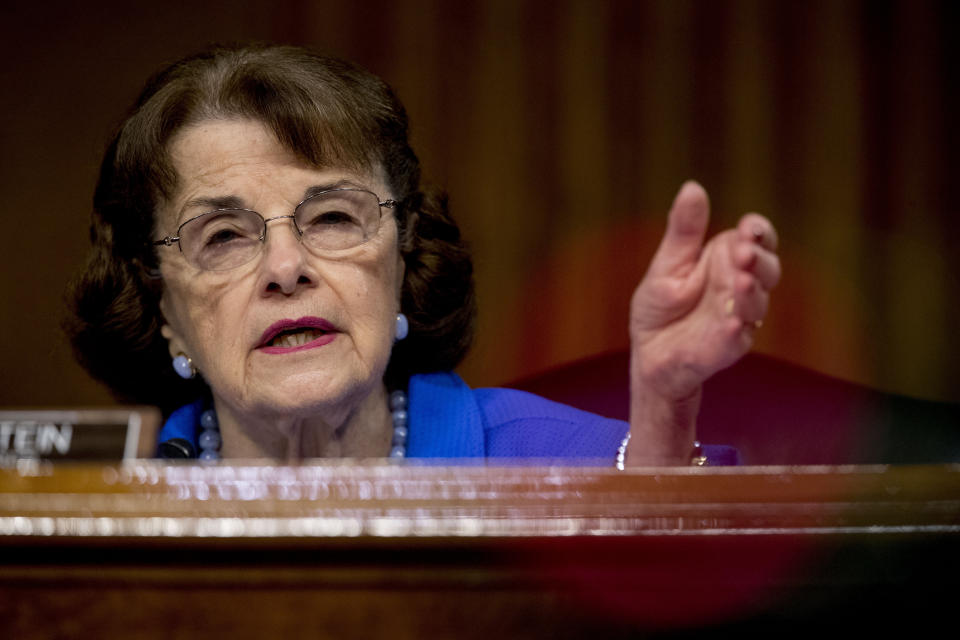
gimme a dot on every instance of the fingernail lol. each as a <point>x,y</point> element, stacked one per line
<point>757,232</point>
<point>728,307</point>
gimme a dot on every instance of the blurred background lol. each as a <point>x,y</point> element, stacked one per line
<point>562,130</point>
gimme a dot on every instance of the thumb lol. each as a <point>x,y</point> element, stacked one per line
<point>686,228</point>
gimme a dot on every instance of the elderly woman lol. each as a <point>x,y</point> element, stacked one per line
<point>259,223</point>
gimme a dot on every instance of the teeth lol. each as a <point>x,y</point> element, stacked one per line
<point>297,339</point>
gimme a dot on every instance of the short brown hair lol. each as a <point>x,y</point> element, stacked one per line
<point>329,113</point>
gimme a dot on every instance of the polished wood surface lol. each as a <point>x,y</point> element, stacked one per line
<point>400,551</point>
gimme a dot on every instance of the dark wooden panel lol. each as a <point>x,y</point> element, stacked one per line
<point>473,552</point>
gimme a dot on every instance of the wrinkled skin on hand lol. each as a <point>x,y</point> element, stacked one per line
<point>694,313</point>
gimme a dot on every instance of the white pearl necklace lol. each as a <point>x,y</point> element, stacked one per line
<point>210,440</point>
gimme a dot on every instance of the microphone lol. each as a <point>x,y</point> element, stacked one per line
<point>176,449</point>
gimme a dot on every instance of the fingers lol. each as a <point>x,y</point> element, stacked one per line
<point>757,229</point>
<point>753,254</point>
<point>686,227</point>
<point>764,265</point>
<point>754,249</point>
<point>749,301</point>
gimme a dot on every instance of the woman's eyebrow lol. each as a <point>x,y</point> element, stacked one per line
<point>209,203</point>
<point>339,184</point>
<point>214,202</point>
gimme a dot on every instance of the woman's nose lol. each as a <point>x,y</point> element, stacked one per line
<point>285,266</point>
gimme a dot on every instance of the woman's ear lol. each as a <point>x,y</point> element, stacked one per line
<point>174,344</point>
<point>182,363</point>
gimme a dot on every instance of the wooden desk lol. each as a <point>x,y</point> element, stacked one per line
<point>164,551</point>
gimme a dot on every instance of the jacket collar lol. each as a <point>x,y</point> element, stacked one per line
<point>445,419</point>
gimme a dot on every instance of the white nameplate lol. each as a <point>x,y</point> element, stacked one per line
<point>77,434</point>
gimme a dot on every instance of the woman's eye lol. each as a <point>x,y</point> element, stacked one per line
<point>222,236</point>
<point>332,218</point>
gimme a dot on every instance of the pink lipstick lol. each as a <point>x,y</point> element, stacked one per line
<point>288,336</point>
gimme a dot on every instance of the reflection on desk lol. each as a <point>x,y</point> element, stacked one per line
<point>403,551</point>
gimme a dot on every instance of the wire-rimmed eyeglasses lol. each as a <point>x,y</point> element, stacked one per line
<point>331,220</point>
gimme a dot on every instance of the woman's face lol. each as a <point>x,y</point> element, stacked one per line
<point>223,320</point>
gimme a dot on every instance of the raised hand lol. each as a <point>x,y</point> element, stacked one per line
<point>694,313</point>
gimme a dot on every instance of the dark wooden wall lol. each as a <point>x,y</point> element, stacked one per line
<point>562,130</point>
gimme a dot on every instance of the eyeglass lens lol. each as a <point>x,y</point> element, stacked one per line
<point>330,221</point>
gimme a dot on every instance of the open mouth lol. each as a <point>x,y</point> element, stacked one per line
<point>296,337</point>
<point>303,332</point>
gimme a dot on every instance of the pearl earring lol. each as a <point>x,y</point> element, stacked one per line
<point>183,365</point>
<point>403,327</point>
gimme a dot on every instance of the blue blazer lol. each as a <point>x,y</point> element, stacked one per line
<point>448,419</point>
